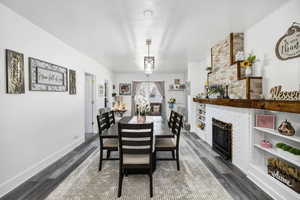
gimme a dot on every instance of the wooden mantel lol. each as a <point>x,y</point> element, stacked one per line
<point>282,106</point>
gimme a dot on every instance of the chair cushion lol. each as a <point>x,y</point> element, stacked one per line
<point>110,142</point>
<point>165,143</point>
<point>135,159</point>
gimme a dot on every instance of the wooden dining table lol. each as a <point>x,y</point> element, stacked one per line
<point>160,128</point>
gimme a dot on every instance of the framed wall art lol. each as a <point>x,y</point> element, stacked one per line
<point>44,76</point>
<point>125,89</point>
<point>14,72</point>
<point>101,90</point>
<point>72,82</point>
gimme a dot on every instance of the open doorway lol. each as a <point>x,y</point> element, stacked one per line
<point>89,101</point>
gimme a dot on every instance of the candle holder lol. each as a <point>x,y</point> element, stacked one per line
<point>226,92</point>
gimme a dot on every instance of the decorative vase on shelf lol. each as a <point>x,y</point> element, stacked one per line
<point>248,71</point>
<point>171,105</point>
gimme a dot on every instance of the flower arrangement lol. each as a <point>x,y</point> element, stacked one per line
<point>249,61</point>
<point>143,105</point>
<point>172,101</point>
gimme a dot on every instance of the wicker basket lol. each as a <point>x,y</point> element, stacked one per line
<point>284,178</point>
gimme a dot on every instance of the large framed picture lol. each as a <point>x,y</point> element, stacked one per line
<point>44,76</point>
<point>14,72</point>
<point>72,82</point>
<point>125,89</point>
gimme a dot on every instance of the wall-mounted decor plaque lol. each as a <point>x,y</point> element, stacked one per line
<point>44,76</point>
<point>14,72</point>
<point>288,46</point>
<point>72,82</point>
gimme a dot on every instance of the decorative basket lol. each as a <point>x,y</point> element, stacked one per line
<point>281,176</point>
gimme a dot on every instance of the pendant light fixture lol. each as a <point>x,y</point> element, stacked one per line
<point>149,61</point>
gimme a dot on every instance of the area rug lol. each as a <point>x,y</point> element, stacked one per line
<point>193,182</point>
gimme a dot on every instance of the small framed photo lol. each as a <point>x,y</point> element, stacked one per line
<point>177,81</point>
<point>125,89</point>
<point>265,121</point>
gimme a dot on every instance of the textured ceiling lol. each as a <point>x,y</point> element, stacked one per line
<point>114,31</point>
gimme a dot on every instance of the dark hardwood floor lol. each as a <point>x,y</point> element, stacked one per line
<point>232,179</point>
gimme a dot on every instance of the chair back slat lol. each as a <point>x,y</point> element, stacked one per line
<point>111,118</point>
<point>171,119</point>
<point>102,122</point>
<point>135,138</point>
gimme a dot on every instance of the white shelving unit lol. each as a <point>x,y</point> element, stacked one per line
<point>276,133</point>
<point>259,156</point>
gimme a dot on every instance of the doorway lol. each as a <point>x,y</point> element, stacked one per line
<point>89,105</point>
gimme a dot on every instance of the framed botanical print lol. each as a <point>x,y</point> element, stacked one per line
<point>72,82</point>
<point>14,72</point>
<point>125,89</point>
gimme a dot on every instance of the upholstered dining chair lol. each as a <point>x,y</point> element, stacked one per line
<point>107,142</point>
<point>135,150</point>
<point>171,142</point>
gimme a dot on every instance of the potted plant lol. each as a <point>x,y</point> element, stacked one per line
<point>216,91</point>
<point>171,102</point>
<point>114,94</point>
<point>288,151</point>
<point>248,63</point>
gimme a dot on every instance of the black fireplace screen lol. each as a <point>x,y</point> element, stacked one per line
<point>222,133</point>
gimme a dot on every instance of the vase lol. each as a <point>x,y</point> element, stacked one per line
<point>141,119</point>
<point>248,71</point>
<point>171,105</point>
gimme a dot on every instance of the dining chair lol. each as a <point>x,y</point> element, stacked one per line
<point>171,142</point>
<point>171,119</point>
<point>135,150</point>
<point>107,142</point>
<point>111,118</point>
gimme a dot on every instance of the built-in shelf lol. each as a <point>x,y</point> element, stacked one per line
<point>282,106</point>
<point>276,133</point>
<point>177,90</point>
<point>275,153</point>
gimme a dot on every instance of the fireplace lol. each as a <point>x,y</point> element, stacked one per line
<point>221,136</point>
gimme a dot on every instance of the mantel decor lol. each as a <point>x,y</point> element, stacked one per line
<point>288,46</point>
<point>14,72</point>
<point>278,94</point>
<point>44,76</point>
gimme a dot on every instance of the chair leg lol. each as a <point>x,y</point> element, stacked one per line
<point>100,159</point>
<point>151,184</point>
<point>177,159</point>
<point>173,154</point>
<point>108,154</point>
<point>120,183</point>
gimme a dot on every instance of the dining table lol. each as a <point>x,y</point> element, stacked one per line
<point>160,129</point>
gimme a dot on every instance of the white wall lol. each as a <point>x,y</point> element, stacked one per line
<point>37,128</point>
<point>262,38</point>
<point>168,78</point>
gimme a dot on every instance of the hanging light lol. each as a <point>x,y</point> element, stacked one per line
<point>149,61</point>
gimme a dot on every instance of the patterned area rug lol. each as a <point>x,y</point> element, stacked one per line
<point>193,182</point>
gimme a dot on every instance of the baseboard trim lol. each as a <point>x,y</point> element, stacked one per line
<point>20,178</point>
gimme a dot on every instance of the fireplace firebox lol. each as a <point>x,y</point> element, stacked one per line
<point>222,134</point>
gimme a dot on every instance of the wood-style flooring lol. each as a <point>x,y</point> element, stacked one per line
<point>232,179</point>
